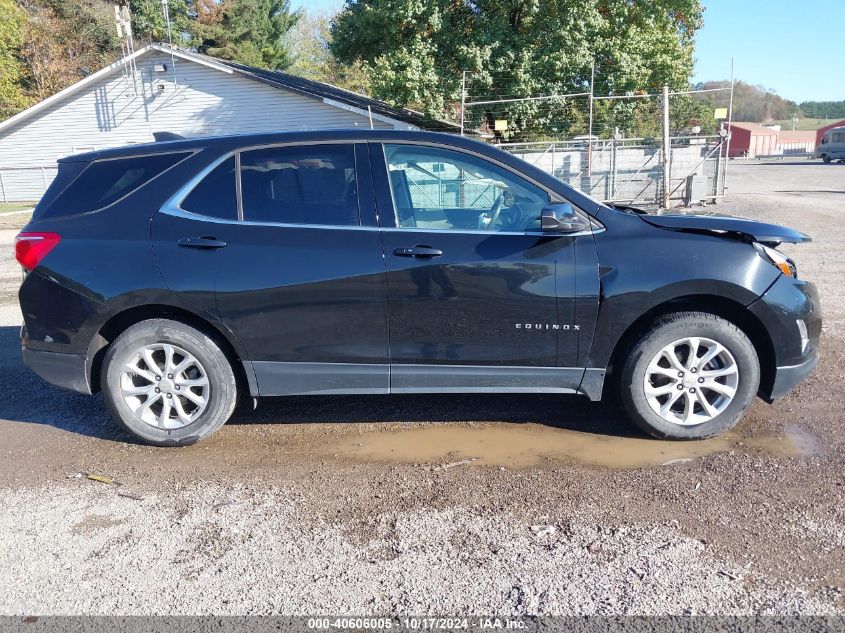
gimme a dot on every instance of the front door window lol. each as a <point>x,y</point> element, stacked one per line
<point>444,190</point>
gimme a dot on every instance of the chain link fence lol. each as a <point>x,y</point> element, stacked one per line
<point>631,170</point>
<point>662,149</point>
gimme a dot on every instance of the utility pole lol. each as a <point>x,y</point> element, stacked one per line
<point>666,148</point>
<point>463,98</point>
<point>166,11</point>
<point>590,128</point>
<point>730,120</point>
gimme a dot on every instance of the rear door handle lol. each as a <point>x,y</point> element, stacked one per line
<point>201,242</point>
<point>419,251</point>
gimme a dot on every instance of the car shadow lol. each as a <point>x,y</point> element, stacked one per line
<point>803,192</point>
<point>31,400</point>
<point>791,163</point>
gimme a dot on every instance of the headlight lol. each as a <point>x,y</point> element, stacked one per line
<point>781,261</point>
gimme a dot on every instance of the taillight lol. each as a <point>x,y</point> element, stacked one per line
<point>31,248</point>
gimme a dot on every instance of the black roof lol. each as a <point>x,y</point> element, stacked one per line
<point>209,148</point>
<point>321,90</point>
<point>227,142</point>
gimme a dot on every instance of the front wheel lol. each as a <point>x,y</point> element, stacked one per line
<point>167,383</point>
<point>826,158</point>
<point>692,375</point>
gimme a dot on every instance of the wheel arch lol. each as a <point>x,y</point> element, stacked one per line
<point>728,309</point>
<point>120,321</point>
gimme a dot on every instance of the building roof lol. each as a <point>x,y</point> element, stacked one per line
<point>797,136</point>
<point>756,128</point>
<point>830,126</point>
<point>331,95</point>
<point>822,130</point>
<point>334,96</point>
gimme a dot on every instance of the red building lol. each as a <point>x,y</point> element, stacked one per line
<point>796,142</point>
<point>751,139</point>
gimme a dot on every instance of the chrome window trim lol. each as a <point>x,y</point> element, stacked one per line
<point>492,233</point>
<point>173,204</point>
<point>181,213</point>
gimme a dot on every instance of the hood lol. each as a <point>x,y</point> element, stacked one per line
<point>769,234</point>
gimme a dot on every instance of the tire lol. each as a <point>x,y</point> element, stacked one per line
<point>200,397</point>
<point>825,158</point>
<point>737,367</point>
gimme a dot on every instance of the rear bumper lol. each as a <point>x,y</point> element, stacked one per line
<point>67,371</point>
<point>788,376</point>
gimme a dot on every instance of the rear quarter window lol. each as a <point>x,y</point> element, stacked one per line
<point>215,196</point>
<point>104,182</point>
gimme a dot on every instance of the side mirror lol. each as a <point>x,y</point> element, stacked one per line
<point>560,217</point>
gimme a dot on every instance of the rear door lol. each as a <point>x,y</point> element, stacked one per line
<point>479,298</point>
<point>297,273</point>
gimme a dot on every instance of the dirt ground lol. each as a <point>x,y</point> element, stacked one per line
<point>439,504</point>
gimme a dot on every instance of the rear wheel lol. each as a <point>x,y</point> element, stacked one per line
<point>693,375</point>
<point>826,158</point>
<point>167,383</point>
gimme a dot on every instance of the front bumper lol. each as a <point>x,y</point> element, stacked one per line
<point>788,376</point>
<point>786,303</point>
<point>67,371</point>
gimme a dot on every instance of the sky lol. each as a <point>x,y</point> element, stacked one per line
<point>791,47</point>
<point>785,45</point>
<point>320,5</point>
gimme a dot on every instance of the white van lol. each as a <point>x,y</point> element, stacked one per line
<point>832,146</point>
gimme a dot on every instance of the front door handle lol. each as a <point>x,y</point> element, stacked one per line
<point>206,242</point>
<point>419,251</point>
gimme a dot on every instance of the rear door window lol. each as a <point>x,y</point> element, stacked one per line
<point>106,181</point>
<point>313,184</point>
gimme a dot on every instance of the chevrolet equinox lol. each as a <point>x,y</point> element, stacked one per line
<point>179,275</point>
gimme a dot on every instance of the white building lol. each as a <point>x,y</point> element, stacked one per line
<point>159,90</point>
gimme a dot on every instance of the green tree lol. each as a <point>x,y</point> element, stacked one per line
<point>823,109</point>
<point>251,32</point>
<point>751,103</point>
<point>12,96</point>
<point>311,39</point>
<point>416,50</point>
<point>64,40</point>
<point>148,24</point>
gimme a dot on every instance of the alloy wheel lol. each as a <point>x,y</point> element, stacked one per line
<point>691,381</point>
<point>165,386</point>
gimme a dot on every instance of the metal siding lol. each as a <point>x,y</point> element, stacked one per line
<point>108,114</point>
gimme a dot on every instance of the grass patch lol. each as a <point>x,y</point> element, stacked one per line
<point>804,124</point>
<point>11,207</point>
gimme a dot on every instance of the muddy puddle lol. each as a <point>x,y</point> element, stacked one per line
<point>525,445</point>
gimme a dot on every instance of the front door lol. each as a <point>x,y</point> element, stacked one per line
<point>479,298</point>
<point>297,274</point>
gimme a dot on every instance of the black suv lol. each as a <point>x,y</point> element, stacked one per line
<point>178,275</point>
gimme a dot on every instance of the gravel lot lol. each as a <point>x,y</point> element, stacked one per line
<point>514,505</point>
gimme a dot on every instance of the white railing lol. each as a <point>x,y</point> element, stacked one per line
<point>25,183</point>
